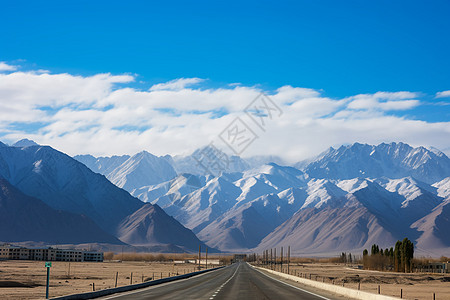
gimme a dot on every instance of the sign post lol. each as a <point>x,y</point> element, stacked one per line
<point>48,265</point>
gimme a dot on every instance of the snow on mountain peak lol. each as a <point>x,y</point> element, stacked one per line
<point>24,143</point>
<point>320,192</point>
<point>443,187</point>
<point>352,185</point>
<point>407,187</point>
<point>395,160</point>
<point>209,160</point>
<point>367,186</point>
<point>131,173</point>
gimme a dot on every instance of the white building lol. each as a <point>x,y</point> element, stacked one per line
<point>48,254</point>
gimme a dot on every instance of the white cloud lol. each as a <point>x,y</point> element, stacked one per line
<point>5,67</point>
<point>42,89</point>
<point>371,103</point>
<point>94,115</point>
<point>395,95</point>
<point>288,94</point>
<point>399,105</point>
<point>443,94</point>
<point>384,101</point>
<point>176,84</point>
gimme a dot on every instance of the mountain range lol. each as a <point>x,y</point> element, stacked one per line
<point>345,199</point>
<point>59,186</point>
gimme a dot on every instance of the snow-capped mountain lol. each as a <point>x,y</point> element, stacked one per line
<point>251,209</point>
<point>244,226</point>
<point>344,200</point>
<point>65,184</point>
<point>395,160</point>
<point>349,223</point>
<point>217,195</point>
<point>443,187</point>
<point>419,198</point>
<point>131,173</point>
<point>24,143</point>
<point>201,207</point>
<point>142,169</point>
<point>260,160</point>
<point>209,160</point>
<point>102,165</point>
<point>171,190</point>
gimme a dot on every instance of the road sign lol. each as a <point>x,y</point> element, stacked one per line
<point>48,265</point>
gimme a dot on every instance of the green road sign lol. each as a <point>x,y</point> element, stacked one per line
<point>48,264</point>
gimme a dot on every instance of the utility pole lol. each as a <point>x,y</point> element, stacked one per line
<point>199,256</point>
<point>206,264</point>
<point>271,258</point>
<point>275,258</point>
<point>281,259</point>
<point>289,257</point>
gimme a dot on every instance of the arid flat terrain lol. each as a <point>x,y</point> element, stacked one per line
<point>414,285</point>
<point>27,279</point>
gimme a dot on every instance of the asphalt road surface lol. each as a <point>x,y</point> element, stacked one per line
<point>238,281</point>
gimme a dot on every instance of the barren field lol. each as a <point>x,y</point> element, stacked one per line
<point>26,279</point>
<point>415,285</point>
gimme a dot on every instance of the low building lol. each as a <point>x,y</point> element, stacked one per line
<point>434,267</point>
<point>93,256</point>
<point>69,255</point>
<point>13,252</point>
<point>48,254</point>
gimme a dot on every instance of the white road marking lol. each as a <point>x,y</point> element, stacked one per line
<point>215,293</point>
<point>295,287</point>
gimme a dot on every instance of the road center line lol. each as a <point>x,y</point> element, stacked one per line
<point>215,293</point>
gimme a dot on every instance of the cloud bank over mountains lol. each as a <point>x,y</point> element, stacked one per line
<point>107,114</point>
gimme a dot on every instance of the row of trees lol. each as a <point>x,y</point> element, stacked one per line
<point>346,258</point>
<point>398,259</point>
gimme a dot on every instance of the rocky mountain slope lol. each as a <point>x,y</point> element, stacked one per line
<point>24,218</point>
<point>346,198</point>
<point>66,185</point>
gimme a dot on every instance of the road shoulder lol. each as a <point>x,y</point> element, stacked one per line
<point>309,289</point>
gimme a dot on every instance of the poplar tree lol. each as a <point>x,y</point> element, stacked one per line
<point>397,256</point>
<point>407,254</point>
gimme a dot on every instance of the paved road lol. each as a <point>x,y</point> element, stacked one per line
<point>238,281</point>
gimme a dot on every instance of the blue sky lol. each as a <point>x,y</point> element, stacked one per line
<point>342,47</point>
<point>338,48</point>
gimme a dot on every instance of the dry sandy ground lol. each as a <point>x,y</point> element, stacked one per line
<point>32,274</point>
<point>26,279</point>
<point>415,285</point>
